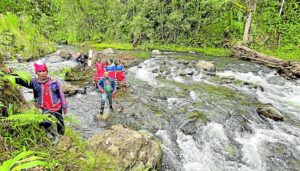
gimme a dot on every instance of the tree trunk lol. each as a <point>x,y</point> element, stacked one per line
<point>281,12</point>
<point>287,69</point>
<point>247,31</point>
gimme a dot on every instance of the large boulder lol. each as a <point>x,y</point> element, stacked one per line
<point>64,143</point>
<point>126,58</point>
<point>156,52</point>
<point>70,90</point>
<point>207,67</point>
<point>185,72</point>
<point>134,150</point>
<point>270,112</point>
<point>108,51</point>
<point>68,54</point>
<point>78,74</point>
<point>63,53</point>
<point>276,80</point>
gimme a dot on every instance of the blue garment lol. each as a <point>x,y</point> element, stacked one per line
<point>110,68</point>
<point>57,95</point>
<point>102,84</point>
<point>120,68</point>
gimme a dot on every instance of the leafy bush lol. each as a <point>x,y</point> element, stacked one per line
<point>26,160</point>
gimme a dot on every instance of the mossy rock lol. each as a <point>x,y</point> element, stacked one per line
<point>198,115</point>
<point>79,74</point>
<point>9,95</point>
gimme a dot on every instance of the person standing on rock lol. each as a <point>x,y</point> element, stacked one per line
<point>49,97</point>
<point>108,88</point>
<point>111,69</point>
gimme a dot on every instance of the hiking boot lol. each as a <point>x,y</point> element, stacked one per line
<point>55,139</point>
<point>111,109</point>
<point>52,134</point>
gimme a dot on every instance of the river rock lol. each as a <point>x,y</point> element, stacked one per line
<point>189,71</point>
<point>296,69</point>
<point>79,74</point>
<point>70,90</point>
<point>155,70</point>
<point>127,59</point>
<point>108,51</point>
<point>277,80</point>
<point>54,59</point>
<point>64,143</point>
<point>63,53</point>
<point>185,72</point>
<point>186,62</point>
<point>156,52</point>
<point>207,67</point>
<point>270,112</point>
<point>134,149</point>
<point>228,79</point>
<point>181,72</point>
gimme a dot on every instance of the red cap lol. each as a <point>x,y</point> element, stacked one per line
<point>40,67</point>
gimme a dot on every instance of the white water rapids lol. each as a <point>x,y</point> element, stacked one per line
<point>209,148</point>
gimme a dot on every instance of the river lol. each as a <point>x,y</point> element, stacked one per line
<point>203,122</point>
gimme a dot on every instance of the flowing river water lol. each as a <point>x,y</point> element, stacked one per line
<point>203,122</point>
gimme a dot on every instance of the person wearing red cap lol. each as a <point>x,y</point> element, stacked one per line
<point>48,96</point>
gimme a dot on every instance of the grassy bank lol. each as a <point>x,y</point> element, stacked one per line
<point>23,143</point>
<point>289,53</point>
<point>174,48</point>
<point>18,35</point>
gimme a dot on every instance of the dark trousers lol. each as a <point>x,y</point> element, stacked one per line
<point>103,98</point>
<point>60,123</point>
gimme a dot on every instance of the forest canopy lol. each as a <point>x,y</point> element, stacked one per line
<point>199,23</point>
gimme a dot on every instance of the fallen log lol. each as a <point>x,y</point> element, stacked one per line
<point>287,69</point>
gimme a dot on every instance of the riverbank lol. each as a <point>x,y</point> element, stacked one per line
<point>127,46</point>
<point>20,39</point>
<point>289,53</point>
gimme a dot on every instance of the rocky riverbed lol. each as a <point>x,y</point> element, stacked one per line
<point>208,113</point>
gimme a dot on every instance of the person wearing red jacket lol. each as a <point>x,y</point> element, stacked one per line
<point>99,70</point>
<point>49,97</point>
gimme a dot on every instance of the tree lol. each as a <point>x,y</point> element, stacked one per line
<point>247,30</point>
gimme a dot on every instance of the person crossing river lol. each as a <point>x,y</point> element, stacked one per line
<point>108,88</point>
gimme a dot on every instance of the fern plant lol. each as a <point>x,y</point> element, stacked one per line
<point>25,76</point>
<point>26,160</point>
<point>24,129</point>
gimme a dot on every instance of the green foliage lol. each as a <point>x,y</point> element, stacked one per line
<point>25,76</point>
<point>165,47</point>
<point>145,24</point>
<point>26,160</point>
<point>141,54</point>
<point>100,46</point>
<point>291,53</point>
<point>18,35</point>
<point>198,115</point>
<point>22,129</point>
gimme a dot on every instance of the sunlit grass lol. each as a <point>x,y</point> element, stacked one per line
<point>211,51</point>
<point>290,53</point>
